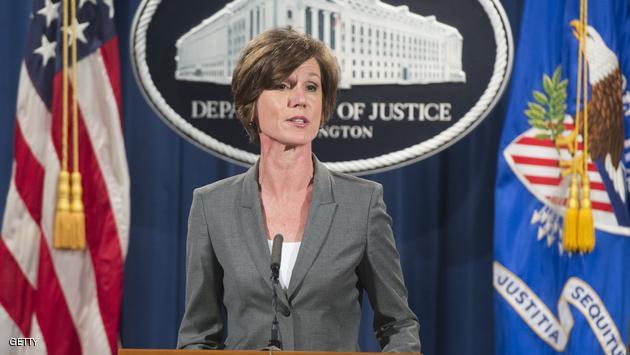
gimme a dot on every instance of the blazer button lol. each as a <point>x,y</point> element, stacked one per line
<point>284,309</point>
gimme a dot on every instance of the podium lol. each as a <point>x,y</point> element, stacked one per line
<point>240,352</point>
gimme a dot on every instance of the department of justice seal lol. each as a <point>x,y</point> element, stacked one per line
<point>415,77</point>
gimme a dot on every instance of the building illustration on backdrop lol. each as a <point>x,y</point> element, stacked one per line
<point>375,43</point>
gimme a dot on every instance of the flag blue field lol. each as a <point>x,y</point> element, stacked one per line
<point>549,300</point>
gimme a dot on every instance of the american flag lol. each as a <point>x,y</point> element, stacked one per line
<point>68,300</point>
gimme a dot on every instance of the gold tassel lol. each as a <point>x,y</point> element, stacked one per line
<point>569,241</point>
<point>586,230</point>
<point>63,224</point>
<point>77,213</point>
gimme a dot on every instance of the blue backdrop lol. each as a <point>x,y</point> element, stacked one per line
<point>442,209</point>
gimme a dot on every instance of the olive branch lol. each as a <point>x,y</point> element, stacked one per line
<point>546,113</point>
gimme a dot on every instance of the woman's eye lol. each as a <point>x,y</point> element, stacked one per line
<point>311,87</point>
<point>281,86</point>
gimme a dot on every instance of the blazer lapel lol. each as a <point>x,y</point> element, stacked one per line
<point>253,231</point>
<point>250,214</point>
<point>320,217</point>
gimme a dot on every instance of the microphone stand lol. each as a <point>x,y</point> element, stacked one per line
<point>274,342</point>
<point>276,255</point>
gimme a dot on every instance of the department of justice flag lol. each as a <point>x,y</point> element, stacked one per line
<point>550,299</point>
<point>67,301</point>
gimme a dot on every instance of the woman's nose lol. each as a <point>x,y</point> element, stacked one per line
<point>297,97</point>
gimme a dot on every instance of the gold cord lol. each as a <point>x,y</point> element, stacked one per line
<point>64,114</point>
<point>75,90</point>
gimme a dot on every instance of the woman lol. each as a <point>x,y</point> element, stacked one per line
<point>338,237</point>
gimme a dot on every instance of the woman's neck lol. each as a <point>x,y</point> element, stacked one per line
<point>285,170</point>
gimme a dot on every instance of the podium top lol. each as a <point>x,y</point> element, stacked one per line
<point>239,352</point>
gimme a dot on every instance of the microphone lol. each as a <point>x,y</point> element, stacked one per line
<point>276,256</point>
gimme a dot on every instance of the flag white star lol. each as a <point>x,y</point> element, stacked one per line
<point>81,26</point>
<point>81,2</point>
<point>110,3</point>
<point>46,49</point>
<point>50,11</point>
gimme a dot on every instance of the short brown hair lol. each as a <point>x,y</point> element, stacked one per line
<point>272,56</point>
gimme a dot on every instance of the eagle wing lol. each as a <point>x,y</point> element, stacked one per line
<point>605,118</point>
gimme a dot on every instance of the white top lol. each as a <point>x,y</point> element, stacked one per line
<point>289,255</point>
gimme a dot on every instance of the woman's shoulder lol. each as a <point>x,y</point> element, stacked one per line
<point>353,185</point>
<point>225,187</point>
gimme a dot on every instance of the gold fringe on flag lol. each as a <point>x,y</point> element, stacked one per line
<point>69,230</point>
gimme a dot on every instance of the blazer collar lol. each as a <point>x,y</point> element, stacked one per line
<point>322,185</point>
<point>320,216</point>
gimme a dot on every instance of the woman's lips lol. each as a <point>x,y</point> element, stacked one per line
<point>299,121</point>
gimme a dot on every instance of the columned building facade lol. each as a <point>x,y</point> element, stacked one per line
<point>375,43</point>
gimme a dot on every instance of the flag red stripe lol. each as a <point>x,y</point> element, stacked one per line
<point>541,142</point>
<point>544,180</point>
<point>102,238</point>
<point>519,159</point>
<point>53,315</point>
<point>16,292</point>
<point>536,142</point>
<point>29,175</point>
<point>109,53</point>
<point>602,206</point>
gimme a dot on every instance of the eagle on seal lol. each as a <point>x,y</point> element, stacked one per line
<point>605,108</point>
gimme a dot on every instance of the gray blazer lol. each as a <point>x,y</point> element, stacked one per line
<point>348,247</point>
